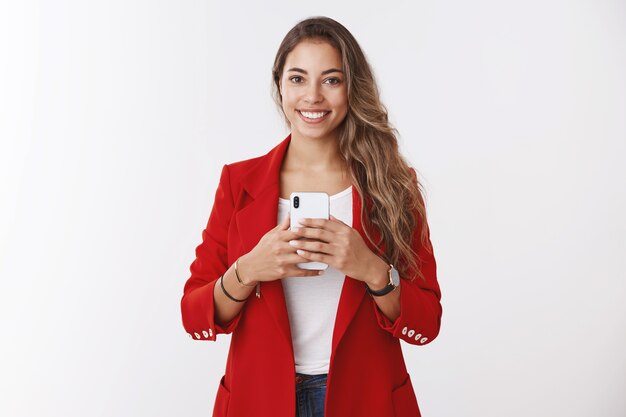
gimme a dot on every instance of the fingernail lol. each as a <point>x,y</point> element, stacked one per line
<point>300,252</point>
<point>320,272</point>
<point>293,242</point>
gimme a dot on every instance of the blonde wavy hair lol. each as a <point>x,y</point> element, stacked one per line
<point>391,194</point>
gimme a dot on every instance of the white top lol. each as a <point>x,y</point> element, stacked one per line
<point>312,301</point>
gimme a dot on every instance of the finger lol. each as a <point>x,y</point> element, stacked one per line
<point>314,233</point>
<point>324,224</point>
<point>284,225</point>
<point>287,235</point>
<point>333,218</point>
<point>314,256</point>
<point>312,245</point>
<point>293,258</point>
<point>299,272</point>
<point>295,271</point>
<point>305,239</point>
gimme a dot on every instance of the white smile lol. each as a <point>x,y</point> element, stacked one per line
<point>314,115</point>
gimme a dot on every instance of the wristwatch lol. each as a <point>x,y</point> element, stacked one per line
<point>394,282</point>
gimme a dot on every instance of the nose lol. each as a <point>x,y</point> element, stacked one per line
<point>313,93</point>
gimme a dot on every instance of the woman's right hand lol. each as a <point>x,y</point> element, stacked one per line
<point>273,257</point>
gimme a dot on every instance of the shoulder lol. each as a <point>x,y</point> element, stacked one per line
<point>237,169</point>
<point>236,173</point>
<point>257,164</point>
<point>256,172</point>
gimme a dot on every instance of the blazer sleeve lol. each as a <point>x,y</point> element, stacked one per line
<point>197,303</point>
<point>420,300</point>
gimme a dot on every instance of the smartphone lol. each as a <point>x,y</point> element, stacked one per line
<point>310,205</point>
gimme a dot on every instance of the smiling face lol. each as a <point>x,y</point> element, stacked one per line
<point>314,92</point>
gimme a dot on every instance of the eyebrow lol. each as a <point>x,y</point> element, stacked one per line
<point>328,71</point>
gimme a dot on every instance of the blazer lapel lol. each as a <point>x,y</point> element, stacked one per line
<point>262,184</point>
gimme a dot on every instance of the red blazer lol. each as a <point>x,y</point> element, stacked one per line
<point>367,374</point>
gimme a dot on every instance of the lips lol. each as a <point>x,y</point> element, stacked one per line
<point>313,120</point>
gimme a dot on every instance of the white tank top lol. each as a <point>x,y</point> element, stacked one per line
<point>312,301</point>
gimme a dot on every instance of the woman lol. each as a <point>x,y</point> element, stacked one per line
<point>306,343</point>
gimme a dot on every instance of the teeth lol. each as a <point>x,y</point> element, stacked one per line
<point>315,115</point>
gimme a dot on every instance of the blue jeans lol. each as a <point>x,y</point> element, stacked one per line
<point>310,395</point>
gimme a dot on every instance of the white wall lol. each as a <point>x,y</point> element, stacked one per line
<point>116,117</point>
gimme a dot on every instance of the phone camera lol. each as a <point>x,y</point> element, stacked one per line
<point>296,202</point>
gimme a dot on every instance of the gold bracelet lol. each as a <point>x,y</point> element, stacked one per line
<point>238,278</point>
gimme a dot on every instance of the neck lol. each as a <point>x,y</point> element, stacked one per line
<point>313,154</point>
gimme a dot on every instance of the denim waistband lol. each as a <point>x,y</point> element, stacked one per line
<point>304,381</point>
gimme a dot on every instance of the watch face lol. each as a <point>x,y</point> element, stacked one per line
<point>395,276</point>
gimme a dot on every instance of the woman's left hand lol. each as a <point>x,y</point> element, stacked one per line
<point>336,244</point>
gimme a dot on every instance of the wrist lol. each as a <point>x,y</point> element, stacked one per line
<point>378,274</point>
<point>244,272</point>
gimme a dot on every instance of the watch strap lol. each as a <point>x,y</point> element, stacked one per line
<point>386,290</point>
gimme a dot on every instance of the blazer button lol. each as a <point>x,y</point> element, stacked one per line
<point>197,335</point>
<point>424,339</point>
<point>404,330</point>
<point>210,332</point>
<point>205,333</point>
<point>411,333</point>
<point>189,334</point>
<point>417,336</point>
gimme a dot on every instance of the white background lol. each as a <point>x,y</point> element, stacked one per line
<point>117,116</point>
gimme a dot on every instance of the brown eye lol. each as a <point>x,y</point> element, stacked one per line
<point>293,79</point>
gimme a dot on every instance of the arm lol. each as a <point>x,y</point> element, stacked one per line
<point>226,309</point>
<point>198,304</point>
<point>412,311</point>
<point>388,304</point>
<point>416,307</point>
